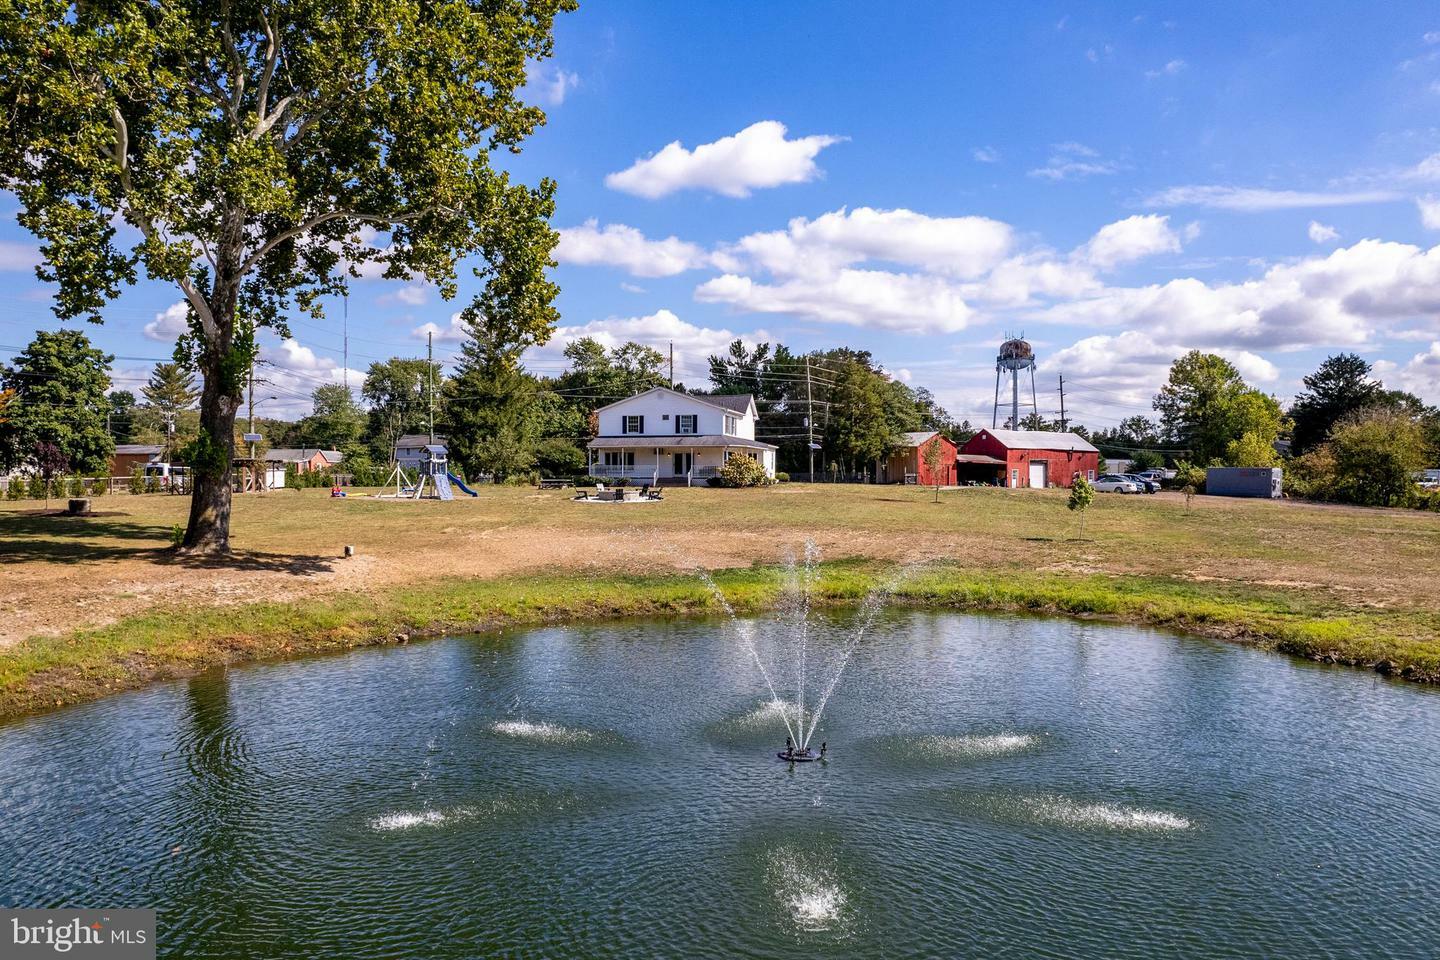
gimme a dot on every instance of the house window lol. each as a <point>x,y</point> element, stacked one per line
<point>617,458</point>
<point>633,424</point>
<point>687,423</point>
<point>732,425</point>
<point>1089,474</point>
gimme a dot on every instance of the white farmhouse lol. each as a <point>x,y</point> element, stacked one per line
<point>662,435</point>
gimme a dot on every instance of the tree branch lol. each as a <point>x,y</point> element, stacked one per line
<point>326,217</point>
<point>262,92</point>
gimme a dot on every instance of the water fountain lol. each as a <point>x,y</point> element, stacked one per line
<point>797,594</point>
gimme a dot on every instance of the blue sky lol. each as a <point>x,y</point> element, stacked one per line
<point>1119,182</point>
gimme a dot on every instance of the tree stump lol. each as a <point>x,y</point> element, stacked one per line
<point>79,506</point>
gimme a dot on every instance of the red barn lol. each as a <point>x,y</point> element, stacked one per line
<point>1033,458</point>
<point>906,464</point>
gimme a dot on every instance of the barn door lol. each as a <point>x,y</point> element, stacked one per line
<point>1038,473</point>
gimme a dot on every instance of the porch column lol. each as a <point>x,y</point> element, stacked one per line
<point>656,478</point>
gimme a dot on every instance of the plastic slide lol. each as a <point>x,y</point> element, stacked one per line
<point>461,484</point>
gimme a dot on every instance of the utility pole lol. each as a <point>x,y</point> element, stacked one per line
<point>346,343</point>
<point>1063,422</point>
<point>430,378</point>
<point>809,421</point>
<point>672,364</point>
<point>252,410</point>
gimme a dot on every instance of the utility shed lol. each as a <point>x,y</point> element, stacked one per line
<point>1262,482</point>
<point>906,463</point>
<point>1034,458</point>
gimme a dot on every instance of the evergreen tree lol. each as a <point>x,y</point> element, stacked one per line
<point>169,391</point>
<point>58,385</point>
<point>1341,386</point>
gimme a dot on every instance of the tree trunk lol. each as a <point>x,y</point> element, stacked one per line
<point>211,484</point>
<point>213,468</point>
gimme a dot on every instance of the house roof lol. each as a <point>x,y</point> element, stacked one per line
<point>137,449</point>
<point>735,402</point>
<point>417,440</point>
<point>917,437</point>
<point>1041,440</point>
<point>296,454</point>
<point>729,402</point>
<point>651,441</point>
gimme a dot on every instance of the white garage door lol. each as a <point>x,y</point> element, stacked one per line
<point>1038,473</point>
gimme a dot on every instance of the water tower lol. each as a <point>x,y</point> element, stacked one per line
<point>1015,355</point>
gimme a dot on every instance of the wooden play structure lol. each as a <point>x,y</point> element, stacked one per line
<point>431,478</point>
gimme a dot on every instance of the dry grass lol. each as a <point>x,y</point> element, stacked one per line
<point>1371,568</point>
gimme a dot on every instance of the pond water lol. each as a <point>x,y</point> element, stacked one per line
<point>995,787</point>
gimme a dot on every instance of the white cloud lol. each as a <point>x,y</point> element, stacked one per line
<point>1074,161</point>
<point>294,370</point>
<point>1421,374</point>
<point>898,302</point>
<point>985,155</point>
<point>758,156</point>
<point>1429,212</point>
<point>550,83</point>
<point>412,294</point>
<point>454,332</point>
<point>169,323</point>
<point>1130,239</point>
<point>18,256</point>
<point>693,344</point>
<point>1169,70</point>
<point>1321,232</point>
<point>1251,199</point>
<point>1432,37</point>
<point>618,245</point>
<point>1340,299</point>
<point>632,288</point>
<point>963,246</point>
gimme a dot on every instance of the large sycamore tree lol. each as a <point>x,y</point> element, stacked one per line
<point>259,153</point>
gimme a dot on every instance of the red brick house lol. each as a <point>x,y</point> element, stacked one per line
<point>906,463</point>
<point>1032,458</point>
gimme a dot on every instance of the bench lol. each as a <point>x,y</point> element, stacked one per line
<point>553,483</point>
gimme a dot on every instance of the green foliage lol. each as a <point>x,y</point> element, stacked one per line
<point>1188,474</point>
<point>781,476</point>
<point>170,389</point>
<point>256,149</point>
<point>1341,386</point>
<point>137,479</point>
<point>335,423</point>
<point>559,458</point>
<point>177,535</point>
<point>1376,454</point>
<point>1082,494</point>
<point>1206,404</point>
<point>742,471</point>
<point>1142,460</point>
<point>397,392</point>
<point>15,489</point>
<point>489,401</point>
<point>38,488</point>
<point>56,390</point>
<point>1251,450</point>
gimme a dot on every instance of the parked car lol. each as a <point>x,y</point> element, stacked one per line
<point>1116,483</point>
<point>1146,484</point>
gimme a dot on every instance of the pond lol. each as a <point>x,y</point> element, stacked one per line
<point>994,787</point>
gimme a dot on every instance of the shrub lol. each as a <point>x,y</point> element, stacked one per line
<point>36,487</point>
<point>714,482</point>
<point>557,457</point>
<point>782,477</point>
<point>99,486</point>
<point>1188,474</point>
<point>16,489</point>
<point>137,480</point>
<point>743,471</point>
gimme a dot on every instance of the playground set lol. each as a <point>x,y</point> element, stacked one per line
<point>432,481</point>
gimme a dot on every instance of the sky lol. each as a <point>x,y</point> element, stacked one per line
<point>1118,183</point>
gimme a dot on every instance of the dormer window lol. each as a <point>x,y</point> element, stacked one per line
<point>732,425</point>
<point>633,424</point>
<point>687,423</point>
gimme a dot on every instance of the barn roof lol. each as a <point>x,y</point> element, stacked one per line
<point>136,449</point>
<point>1041,440</point>
<point>917,437</point>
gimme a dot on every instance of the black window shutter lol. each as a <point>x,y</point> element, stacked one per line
<point>642,425</point>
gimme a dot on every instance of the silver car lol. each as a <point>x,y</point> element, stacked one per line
<point>1116,483</point>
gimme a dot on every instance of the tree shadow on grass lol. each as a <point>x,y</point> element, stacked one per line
<point>60,538</point>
